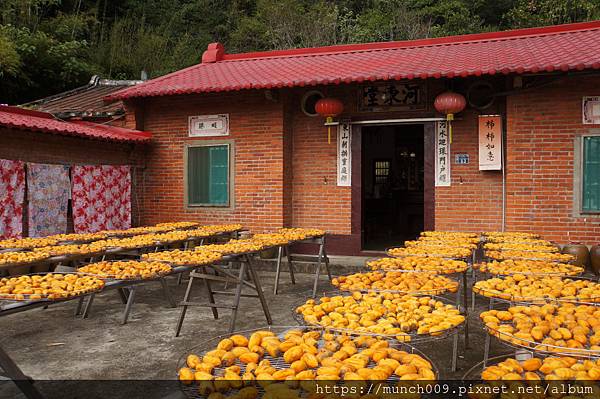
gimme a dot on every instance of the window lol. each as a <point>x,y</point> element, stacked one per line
<point>590,190</point>
<point>309,101</point>
<point>382,171</point>
<point>208,175</point>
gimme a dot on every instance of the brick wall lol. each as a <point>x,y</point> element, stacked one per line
<point>542,126</point>
<point>473,202</point>
<point>317,200</point>
<point>256,127</point>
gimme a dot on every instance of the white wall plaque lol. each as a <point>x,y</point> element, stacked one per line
<point>442,155</point>
<point>591,110</point>
<point>490,142</point>
<point>344,154</point>
<point>208,125</point>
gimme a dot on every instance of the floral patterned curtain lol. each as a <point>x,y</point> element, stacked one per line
<point>101,198</point>
<point>12,191</point>
<point>48,189</point>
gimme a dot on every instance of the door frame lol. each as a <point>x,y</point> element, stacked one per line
<point>357,214</point>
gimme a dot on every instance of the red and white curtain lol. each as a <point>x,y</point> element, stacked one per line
<point>101,198</point>
<point>12,191</point>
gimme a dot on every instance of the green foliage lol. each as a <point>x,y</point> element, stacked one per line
<point>47,46</point>
<point>10,62</point>
<point>529,13</point>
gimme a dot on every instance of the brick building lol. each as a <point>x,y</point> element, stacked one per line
<point>38,137</point>
<point>236,138</point>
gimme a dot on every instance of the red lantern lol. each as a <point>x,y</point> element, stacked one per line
<point>329,108</point>
<point>450,103</point>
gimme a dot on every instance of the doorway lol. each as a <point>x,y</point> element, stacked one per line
<point>394,169</point>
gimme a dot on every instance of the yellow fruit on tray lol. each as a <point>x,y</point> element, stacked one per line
<point>234,247</point>
<point>126,270</point>
<point>70,249</point>
<point>567,328</point>
<point>520,247</point>
<point>47,286</point>
<point>417,263</point>
<point>383,314</point>
<point>406,282</point>
<point>435,242</point>
<point>357,358</point>
<point>450,234</point>
<point>9,258</point>
<point>431,251</point>
<point>551,368</point>
<point>28,243</point>
<point>539,288</point>
<point>529,255</point>
<point>526,267</point>
<point>199,256</point>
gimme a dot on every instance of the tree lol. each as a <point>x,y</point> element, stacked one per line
<point>530,13</point>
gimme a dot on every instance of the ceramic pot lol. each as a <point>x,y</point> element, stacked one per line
<point>595,259</point>
<point>581,252</point>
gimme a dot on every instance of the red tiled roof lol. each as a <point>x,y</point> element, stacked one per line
<point>561,47</point>
<point>23,119</point>
<point>85,101</point>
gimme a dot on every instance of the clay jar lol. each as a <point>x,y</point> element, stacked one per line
<point>595,259</point>
<point>581,252</point>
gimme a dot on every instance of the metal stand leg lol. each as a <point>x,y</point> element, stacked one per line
<point>88,306</point>
<point>486,349</point>
<point>184,307</point>
<point>24,383</point>
<point>236,298</point>
<point>488,337</point>
<point>129,304</point>
<point>122,295</point>
<point>278,269</point>
<point>316,283</point>
<point>454,352</point>
<point>209,293</point>
<point>168,296</point>
<point>79,306</point>
<point>326,258</point>
<point>290,265</point>
<point>466,307</point>
<point>259,291</point>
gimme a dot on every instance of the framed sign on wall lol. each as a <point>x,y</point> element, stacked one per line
<point>591,110</point>
<point>208,125</point>
<point>393,96</point>
<point>490,142</point>
<point>442,155</point>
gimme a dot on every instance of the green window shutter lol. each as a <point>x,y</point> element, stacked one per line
<point>591,174</point>
<point>219,175</point>
<point>208,175</point>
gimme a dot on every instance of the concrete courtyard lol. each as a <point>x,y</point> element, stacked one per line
<point>51,345</point>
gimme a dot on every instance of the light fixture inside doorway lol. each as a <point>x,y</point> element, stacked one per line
<point>329,108</point>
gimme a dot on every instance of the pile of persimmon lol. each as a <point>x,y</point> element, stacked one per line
<point>419,263</point>
<point>394,315</point>
<point>529,288</point>
<point>396,281</point>
<point>240,361</point>
<point>565,328</point>
<point>537,267</point>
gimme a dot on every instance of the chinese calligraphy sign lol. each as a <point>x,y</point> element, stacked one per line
<point>591,110</point>
<point>490,142</point>
<point>392,96</point>
<point>442,155</point>
<point>344,154</point>
<point>208,125</point>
